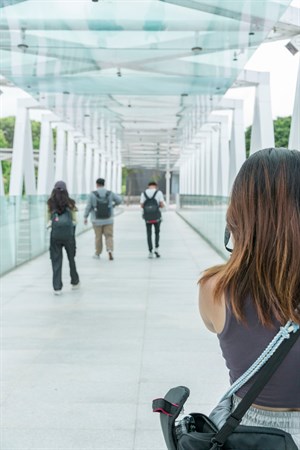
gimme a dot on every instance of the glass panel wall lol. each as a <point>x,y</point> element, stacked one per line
<point>207,215</point>
<point>23,228</point>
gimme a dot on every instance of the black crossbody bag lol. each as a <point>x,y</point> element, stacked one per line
<point>197,431</point>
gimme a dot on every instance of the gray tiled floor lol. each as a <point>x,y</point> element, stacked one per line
<point>80,371</point>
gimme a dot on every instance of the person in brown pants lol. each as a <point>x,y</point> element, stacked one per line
<point>100,205</point>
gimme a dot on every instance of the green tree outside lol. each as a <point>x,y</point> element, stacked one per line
<point>282,127</point>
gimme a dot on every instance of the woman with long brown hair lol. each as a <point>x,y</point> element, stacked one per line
<point>247,299</point>
<point>62,217</point>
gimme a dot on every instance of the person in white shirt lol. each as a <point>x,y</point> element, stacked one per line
<point>152,200</point>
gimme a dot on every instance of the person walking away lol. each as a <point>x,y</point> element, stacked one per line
<point>62,219</point>
<point>247,299</point>
<point>152,200</point>
<point>101,207</point>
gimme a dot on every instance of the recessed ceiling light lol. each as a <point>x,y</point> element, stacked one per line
<point>23,46</point>
<point>197,49</point>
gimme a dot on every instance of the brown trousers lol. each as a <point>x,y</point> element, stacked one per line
<point>108,232</point>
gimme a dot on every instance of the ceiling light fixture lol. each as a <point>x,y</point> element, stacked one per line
<point>23,46</point>
<point>197,49</point>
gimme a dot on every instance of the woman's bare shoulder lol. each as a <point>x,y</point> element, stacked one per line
<point>211,311</point>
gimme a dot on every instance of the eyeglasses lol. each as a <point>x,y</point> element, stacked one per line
<point>227,239</point>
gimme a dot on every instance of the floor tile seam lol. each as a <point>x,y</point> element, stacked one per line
<point>142,352</point>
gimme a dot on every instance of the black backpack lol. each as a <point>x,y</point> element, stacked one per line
<point>62,225</point>
<point>103,207</point>
<point>152,212</point>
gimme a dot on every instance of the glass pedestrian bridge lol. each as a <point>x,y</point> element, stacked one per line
<point>122,86</point>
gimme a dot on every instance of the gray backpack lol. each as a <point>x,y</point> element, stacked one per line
<point>103,206</point>
<point>62,225</point>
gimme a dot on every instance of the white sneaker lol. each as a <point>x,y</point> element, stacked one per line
<point>150,256</point>
<point>59,292</point>
<point>95,256</point>
<point>75,286</point>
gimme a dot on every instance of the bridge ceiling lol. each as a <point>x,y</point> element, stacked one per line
<point>144,65</point>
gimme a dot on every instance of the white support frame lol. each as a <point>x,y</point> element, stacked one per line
<point>294,138</point>
<point>46,156</point>
<point>22,167</point>
<point>223,155</point>
<point>61,152</point>
<point>2,192</point>
<point>262,132</point>
<point>81,163</point>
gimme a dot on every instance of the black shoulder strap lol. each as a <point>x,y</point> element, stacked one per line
<point>155,193</point>
<point>96,194</point>
<point>265,374</point>
<point>107,194</point>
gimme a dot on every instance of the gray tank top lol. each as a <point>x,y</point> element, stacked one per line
<point>242,344</point>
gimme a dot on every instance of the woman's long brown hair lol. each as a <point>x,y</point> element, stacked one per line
<point>264,219</point>
<point>59,200</point>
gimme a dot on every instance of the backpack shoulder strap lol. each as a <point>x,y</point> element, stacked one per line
<point>155,193</point>
<point>96,194</point>
<point>264,375</point>
<point>107,194</point>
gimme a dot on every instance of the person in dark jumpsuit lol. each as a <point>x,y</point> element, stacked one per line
<point>58,202</point>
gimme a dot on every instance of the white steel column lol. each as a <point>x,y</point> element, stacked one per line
<point>89,181</point>
<point>119,158</point>
<point>46,157</point>
<point>262,132</point>
<point>294,138</point>
<point>22,158</point>
<point>114,161</point>
<point>71,162</point>
<point>196,169</point>
<point>214,156</point>
<point>96,164</point>
<point>168,179</point>
<point>237,148</point>
<point>2,181</point>
<point>223,155</point>
<point>61,153</point>
<point>192,172</point>
<point>81,188</point>
<point>103,149</point>
<point>181,176</point>
<point>108,155</point>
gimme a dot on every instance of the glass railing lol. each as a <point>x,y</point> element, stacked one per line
<point>23,232</point>
<point>207,215</point>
